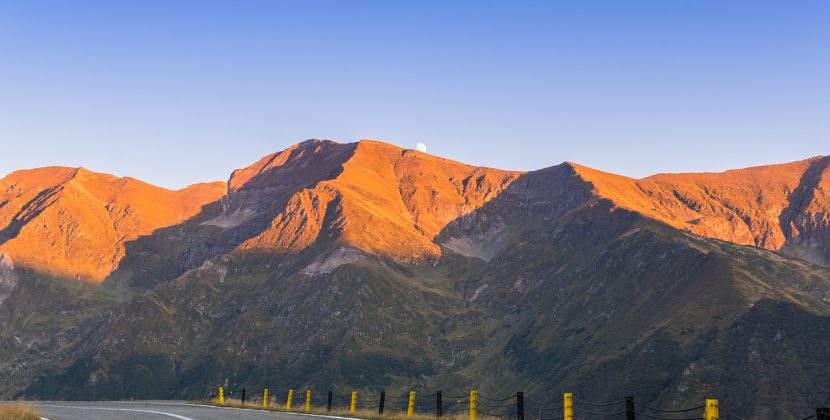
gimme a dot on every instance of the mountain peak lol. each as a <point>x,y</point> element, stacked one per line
<point>776,206</point>
<point>75,222</point>
<point>309,155</point>
<point>370,195</point>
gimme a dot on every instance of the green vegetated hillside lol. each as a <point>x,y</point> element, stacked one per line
<point>541,283</point>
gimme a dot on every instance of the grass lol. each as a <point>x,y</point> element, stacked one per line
<point>368,414</point>
<point>18,412</point>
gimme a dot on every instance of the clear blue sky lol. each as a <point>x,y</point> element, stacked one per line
<point>175,92</point>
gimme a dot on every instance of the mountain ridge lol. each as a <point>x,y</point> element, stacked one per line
<point>86,217</point>
<point>368,266</point>
<point>739,206</point>
<point>431,192</point>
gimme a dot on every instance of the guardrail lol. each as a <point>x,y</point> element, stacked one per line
<point>518,407</point>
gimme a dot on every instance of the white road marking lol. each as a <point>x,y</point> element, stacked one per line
<point>267,411</point>
<point>175,416</point>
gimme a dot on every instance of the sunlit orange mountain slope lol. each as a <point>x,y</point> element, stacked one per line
<point>383,199</point>
<point>376,198</point>
<point>74,223</point>
<point>777,207</point>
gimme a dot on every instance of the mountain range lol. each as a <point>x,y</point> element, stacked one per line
<point>370,266</point>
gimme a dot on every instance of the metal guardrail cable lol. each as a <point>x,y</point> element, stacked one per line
<point>598,414</point>
<point>600,404</point>
<point>455,410</point>
<point>495,399</point>
<point>494,404</point>
<point>480,404</point>
<point>533,407</point>
<point>810,417</point>
<point>489,414</point>
<point>543,403</point>
<point>684,410</point>
<point>464,402</point>
<point>508,408</point>
<point>652,416</point>
<point>731,414</point>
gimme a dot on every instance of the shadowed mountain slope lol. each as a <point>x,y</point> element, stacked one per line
<point>600,300</point>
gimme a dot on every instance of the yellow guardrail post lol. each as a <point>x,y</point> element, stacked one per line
<point>221,395</point>
<point>712,409</point>
<point>308,400</point>
<point>290,397</point>
<point>353,405</point>
<point>568,408</point>
<point>410,409</point>
<point>265,398</point>
<point>473,401</point>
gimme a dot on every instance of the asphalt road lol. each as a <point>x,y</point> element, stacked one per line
<point>152,410</point>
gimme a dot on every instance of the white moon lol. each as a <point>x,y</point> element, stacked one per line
<point>421,147</point>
